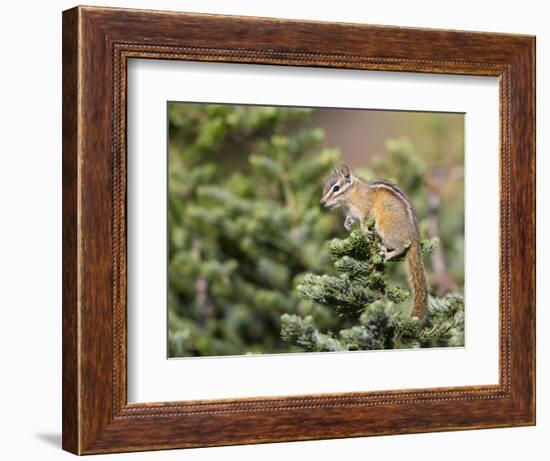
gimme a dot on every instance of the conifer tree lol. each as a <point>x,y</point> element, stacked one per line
<point>237,241</point>
<point>360,292</point>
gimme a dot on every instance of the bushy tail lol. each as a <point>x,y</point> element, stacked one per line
<point>418,281</point>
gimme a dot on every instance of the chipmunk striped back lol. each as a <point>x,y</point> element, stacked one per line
<point>394,189</point>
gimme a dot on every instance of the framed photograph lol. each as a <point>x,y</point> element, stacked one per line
<point>282,230</point>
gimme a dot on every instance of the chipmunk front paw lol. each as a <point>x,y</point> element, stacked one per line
<point>348,223</point>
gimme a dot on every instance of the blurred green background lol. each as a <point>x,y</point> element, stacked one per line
<point>245,223</point>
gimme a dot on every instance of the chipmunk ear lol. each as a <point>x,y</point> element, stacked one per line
<point>346,172</point>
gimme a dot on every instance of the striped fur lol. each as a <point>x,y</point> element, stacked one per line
<point>388,185</point>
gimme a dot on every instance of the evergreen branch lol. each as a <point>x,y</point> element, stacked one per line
<point>358,245</point>
<point>360,291</point>
<point>266,165</point>
<point>353,267</point>
<point>303,333</point>
<point>347,297</point>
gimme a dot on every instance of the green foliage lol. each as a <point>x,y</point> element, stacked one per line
<point>238,241</point>
<point>361,291</point>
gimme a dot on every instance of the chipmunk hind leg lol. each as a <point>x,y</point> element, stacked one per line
<point>392,253</point>
<point>394,243</point>
<point>394,229</point>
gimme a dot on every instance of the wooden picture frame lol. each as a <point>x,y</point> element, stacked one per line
<point>97,43</point>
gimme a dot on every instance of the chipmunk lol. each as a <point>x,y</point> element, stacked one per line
<point>395,223</point>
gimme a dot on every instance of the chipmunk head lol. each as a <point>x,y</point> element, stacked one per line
<point>337,188</point>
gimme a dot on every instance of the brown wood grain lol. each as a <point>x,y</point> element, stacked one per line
<point>70,388</point>
<point>97,43</point>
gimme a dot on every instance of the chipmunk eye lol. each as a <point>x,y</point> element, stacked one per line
<point>336,188</point>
